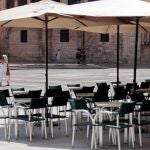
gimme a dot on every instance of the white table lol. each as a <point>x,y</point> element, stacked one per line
<point>85,94</point>
<point>102,106</point>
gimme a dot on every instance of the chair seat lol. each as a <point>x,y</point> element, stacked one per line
<point>26,118</point>
<point>54,116</point>
<point>114,125</point>
<point>4,117</point>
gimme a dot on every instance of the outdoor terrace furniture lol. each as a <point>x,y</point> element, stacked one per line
<point>30,117</point>
<point>34,93</point>
<point>145,85</point>
<point>6,93</point>
<point>73,85</point>
<point>57,110</point>
<point>115,125</point>
<point>86,91</point>
<point>142,117</point>
<point>53,91</point>
<point>79,106</point>
<point>119,93</point>
<point>5,108</point>
<point>55,87</point>
<point>102,92</point>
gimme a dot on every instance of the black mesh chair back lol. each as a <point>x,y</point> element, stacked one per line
<point>145,106</point>
<point>88,89</point>
<point>145,85</point>
<point>17,89</point>
<point>52,92</point>
<point>5,92</point>
<point>37,103</point>
<point>78,104</point>
<point>59,101</point>
<point>128,87</point>
<point>126,108</point>
<point>73,85</point>
<point>3,101</point>
<point>56,87</point>
<point>65,94</point>
<point>120,93</point>
<point>34,93</point>
<point>102,89</point>
<point>138,97</point>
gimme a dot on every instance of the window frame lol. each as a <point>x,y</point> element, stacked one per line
<point>9,4</point>
<point>104,37</point>
<point>23,36</point>
<point>64,35</point>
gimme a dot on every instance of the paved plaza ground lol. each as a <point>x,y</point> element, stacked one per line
<point>33,77</point>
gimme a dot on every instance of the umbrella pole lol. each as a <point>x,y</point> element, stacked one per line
<point>118,41</point>
<point>46,54</point>
<point>135,54</point>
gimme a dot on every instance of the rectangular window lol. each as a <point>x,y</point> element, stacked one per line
<point>70,2</point>
<point>10,4</point>
<point>104,37</point>
<point>23,36</point>
<point>22,2</point>
<point>64,35</point>
<point>33,1</point>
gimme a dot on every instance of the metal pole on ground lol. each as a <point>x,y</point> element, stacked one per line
<point>46,52</point>
<point>118,43</point>
<point>135,54</point>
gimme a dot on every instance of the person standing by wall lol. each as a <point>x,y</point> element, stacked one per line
<point>58,56</point>
<point>6,69</point>
<point>78,55</point>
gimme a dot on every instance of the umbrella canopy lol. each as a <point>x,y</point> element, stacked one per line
<point>111,8</point>
<point>33,15</point>
<point>128,28</point>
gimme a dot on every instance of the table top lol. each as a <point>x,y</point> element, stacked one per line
<point>85,94</point>
<point>108,104</point>
<point>75,88</point>
<point>143,90</point>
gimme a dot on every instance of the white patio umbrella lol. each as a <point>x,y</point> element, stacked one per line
<point>44,14</point>
<point>125,10</point>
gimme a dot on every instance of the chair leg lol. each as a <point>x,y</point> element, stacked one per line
<point>51,124</point>
<point>30,131</point>
<point>45,129</point>
<point>140,136</point>
<point>73,135</point>
<point>16,129</point>
<point>5,126</point>
<point>118,136</point>
<point>132,135</point>
<point>9,129</point>
<point>92,139</point>
<point>42,127</point>
<point>26,129</point>
<point>66,126</point>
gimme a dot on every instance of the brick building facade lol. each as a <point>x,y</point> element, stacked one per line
<point>27,45</point>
